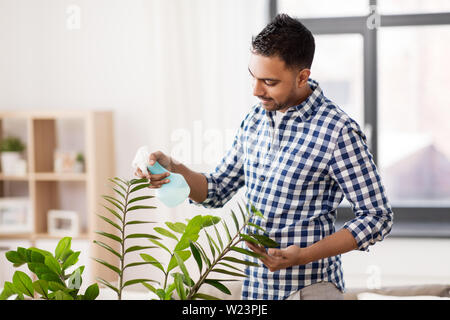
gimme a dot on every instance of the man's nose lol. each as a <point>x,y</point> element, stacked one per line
<point>258,89</point>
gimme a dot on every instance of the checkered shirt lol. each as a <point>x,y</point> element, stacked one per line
<point>296,175</point>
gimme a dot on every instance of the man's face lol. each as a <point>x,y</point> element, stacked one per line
<point>275,85</point>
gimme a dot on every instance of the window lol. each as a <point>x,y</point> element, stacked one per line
<point>412,6</point>
<point>323,8</point>
<point>341,75</point>
<point>414,110</point>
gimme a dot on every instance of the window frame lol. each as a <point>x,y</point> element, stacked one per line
<point>409,221</point>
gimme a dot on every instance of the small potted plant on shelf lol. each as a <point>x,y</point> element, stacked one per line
<point>11,156</point>
<point>79,163</point>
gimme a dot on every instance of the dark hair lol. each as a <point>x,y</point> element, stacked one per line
<point>288,39</point>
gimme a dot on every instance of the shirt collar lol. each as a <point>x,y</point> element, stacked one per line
<point>306,108</point>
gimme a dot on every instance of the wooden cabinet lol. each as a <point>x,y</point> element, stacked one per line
<point>44,132</point>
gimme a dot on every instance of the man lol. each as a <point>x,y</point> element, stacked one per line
<point>298,154</point>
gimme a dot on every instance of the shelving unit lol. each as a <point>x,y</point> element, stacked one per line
<point>45,188</point>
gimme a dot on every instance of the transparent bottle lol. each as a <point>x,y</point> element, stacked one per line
<point>173,193</point>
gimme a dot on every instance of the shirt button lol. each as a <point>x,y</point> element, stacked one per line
<point>262,178</point>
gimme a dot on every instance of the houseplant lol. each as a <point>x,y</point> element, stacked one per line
<point>176,276</point>
<point>11,149</point>
<point>54,282</point>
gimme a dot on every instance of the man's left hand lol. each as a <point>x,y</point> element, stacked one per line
<point>276,259</point>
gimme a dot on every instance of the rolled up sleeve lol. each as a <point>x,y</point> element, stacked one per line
<point>353,169</point>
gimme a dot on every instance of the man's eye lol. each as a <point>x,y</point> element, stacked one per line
<point>270,83</point>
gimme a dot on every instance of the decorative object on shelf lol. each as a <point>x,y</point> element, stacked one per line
<point>15,215</point>
<point>68,161</point>
<point>79,164</point>
<point>11,156</point>
<point>63,223</point>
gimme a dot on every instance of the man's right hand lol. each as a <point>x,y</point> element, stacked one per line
<point>157,180</point>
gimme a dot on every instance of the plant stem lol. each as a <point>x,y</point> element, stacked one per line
<point>122,255</point>
<point>227,249</point>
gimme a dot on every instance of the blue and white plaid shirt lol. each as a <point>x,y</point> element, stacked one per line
<point>296,175</point>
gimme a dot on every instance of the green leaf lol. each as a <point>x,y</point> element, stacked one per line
<point>227,231</point>
<point>229,272</point>
<point>179,286</point>
<point>107,247</point>
<point>55,286</point>
<point>203,254</point>
<point>161,294</point>
<point>256,226</point>
<point>136,181</point>
<point>139,187</point>
<point>23,283</point>
<point>140,199</point>
<point>197,256</point>
<point>116,182</point>
<point>209,220</point>
<point>135,264</point>
<point>230,266</point>
<point>61,295</point>
<point>109,235</point>
<point>14,257</point>
<point>247,252</point>
<point>115,225</point>
<point>244,218</point>
<point>236,222</point>
<point>183,268</point>
<point>204,296</point>
<point>37,257</point>
<point>137,222</point>
<point>120,193</point>
<point>118,216</point>
<point>265,241</point>
<point>165,232</point>
<point>136,248</point>
<point>91,292</point>
<point>8,291</point>
<point>155,262</point>
<point>247,263</point>
<point>159,244</point>
<point>218,285</point>
<point>51,276</point>
<point>149,287</point>
<point>184,255</point>
<point>116,203</point>
<point>108,265</point>
<point>248,238</point>
<point>71,260</point>
<point>176,227</point>
<point>258,213</point>
<point>141,235</point>
<point>62,247</point>
<point>24,254</point>
<point>53,264</point>
<point>218,237</point>
<point>140,207</point>
<point>106,283</point>
<point>135,281</point>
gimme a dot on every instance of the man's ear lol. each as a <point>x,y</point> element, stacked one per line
<point>302,77</point>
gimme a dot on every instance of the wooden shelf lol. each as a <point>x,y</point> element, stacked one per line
<point>44,187</point>
<point>55,176</point>
<point>14,178</point>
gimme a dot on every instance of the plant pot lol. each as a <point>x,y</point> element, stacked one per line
<point>12,163</point>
